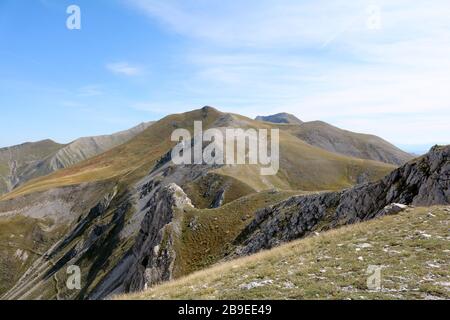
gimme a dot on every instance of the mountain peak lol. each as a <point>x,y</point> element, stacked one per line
<point>283,117</point>
<point>209,108</point>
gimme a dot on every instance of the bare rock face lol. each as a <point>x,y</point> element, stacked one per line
<point>154,246</point>
<point>422,182</point>
<point>151,259</point>
<point>72,208</point>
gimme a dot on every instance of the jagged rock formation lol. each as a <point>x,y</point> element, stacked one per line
<point>424,182</point>
<point>62,215</point>
<point>158,205</point>
<point>280,118</point>
<point>154,245</point>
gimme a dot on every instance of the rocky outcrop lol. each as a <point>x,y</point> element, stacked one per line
<point>73,209</point>
<point>152,257</point>
<point>154,246</point>
<point>218,199</point>
<point>422,182</point>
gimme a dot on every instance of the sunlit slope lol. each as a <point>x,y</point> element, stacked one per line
<point>302,166</point>
<point>22,163</point>
<point>411,249</point>
<point>206,234</point>
<point>127,162</point>
<point>364,146</point>
<point>15,160</point>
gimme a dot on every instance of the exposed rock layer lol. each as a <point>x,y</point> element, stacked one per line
<point>19,164</point>
<point>423,182</point>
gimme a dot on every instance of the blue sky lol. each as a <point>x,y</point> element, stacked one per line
<point>378,66</point>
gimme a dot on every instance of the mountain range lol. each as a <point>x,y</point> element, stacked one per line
<point>121,210</point>
<point>19,164</point>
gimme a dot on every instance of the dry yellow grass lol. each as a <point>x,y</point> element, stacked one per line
<point>126,163</point>
<point>302,166</point>
<point>412,249</point>
<point>215,229</point>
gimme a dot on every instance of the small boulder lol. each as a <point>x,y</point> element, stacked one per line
<point>394,208</point>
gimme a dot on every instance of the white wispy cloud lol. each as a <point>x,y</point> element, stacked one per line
<point>124,68</point>
<point>90,91</point>
<point>319,60</point>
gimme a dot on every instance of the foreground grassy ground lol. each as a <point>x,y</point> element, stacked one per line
<point>411,248</point>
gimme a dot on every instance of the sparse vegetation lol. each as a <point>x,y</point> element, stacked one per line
<point>302,166</point>
<point>22,240</point>
<point>207,233</point>
<point>412,248</point>
<point>126,230</point>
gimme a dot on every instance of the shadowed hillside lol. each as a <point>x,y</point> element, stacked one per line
<point>280,118</point>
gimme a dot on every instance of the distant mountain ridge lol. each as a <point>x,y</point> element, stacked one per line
<point>331,138</point>
<point>283,117</point>
<point>14,159</point>
<point>21,163</point>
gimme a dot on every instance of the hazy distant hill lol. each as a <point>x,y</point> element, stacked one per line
<point>19,164</point>
<point>365,146</point>
<point>328,137</point>
<point>280,118</point>
<point>14,160</point>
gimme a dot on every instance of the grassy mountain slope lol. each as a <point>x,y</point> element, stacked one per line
<point>328,137</point>
<point>411,247</point>
<point>364,146</point>
<point>22,241</point>
<point>303,166</point>
<point>126,163</point>
<point>206,234</point>
<point>87,147</point>
<point>23,163</point>
<point>14,160</point>
<point>106,199</point>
